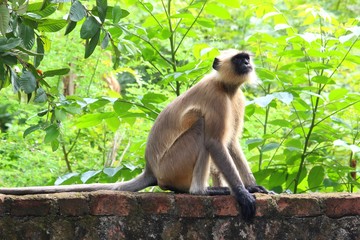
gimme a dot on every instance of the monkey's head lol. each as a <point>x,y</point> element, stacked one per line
<point>234,67</point>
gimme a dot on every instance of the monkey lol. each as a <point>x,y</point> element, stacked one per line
<point>199,128</point>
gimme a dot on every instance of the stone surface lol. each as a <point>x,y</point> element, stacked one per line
<point>123,215</point>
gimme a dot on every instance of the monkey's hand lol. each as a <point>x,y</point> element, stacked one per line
<point>246,202</point>
<point>258,189</point>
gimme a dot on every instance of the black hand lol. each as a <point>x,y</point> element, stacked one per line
<point>258,189</point>
<point>246,201</point>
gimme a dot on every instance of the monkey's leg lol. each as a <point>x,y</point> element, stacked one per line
<point>183,160</point>
<point>244,169</point>
<point>223,161</point>
<point>200,175</point>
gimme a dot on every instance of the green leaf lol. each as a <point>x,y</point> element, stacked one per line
<point>14,81</point>
<point>89,28</point>
<point>60,114</point>
<point>40,96</point>
<point>98,103</point>
<point>206,22</point>
<point>91,45</point>
<point>105,41</point>
<point>69,178</point>
<point>316,177</point>
<point>55,145</point>
<point>71,26</point>
<point>27,82</point>
<point>284,97</point>
<point>111,172</point>
<point>102,7</point>
<point>315,65</point>
<point>90,120</point>
<point>77,12</point>
<point>153,98</point>
<point>40,51</point>
<point>42,10</point>
<point>52,132</point>
<point>85,177</point>
<point>263,101</point>
<point>183,15</point>
<point>7,44</point>
<point>254,143</point>
<point>4,18</point>
<point>270,146</point>
<point>277,178</point>
<point>31,129</point>
<point>320,79</point>
<point>280,123</point>
<point>265,74</point>
<point>56,72</point>
<point>51,25</point>
<point>118,13</point>
<point>8,59</point>
<point>337,94</point>
<point>113,123</point>
<point>122,107</point>
<point>217,10</point>
<point>73,109</point>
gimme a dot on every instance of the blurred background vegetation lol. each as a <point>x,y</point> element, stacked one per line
<point>82,82</point>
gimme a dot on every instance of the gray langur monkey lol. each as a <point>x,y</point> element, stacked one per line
<point>199,128</point>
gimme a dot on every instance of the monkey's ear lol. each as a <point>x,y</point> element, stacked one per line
<point>216,64</point>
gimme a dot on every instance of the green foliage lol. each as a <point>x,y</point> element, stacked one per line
<point>301,129</point>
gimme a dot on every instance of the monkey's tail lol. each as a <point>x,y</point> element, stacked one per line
<point>145,179</point>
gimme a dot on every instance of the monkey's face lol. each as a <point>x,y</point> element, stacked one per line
<point>235,67</point>
<point>241,63</point>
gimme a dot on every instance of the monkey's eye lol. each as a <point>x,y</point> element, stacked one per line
<point>243,57</point>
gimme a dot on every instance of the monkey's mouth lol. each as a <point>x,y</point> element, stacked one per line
<point>244,69</point>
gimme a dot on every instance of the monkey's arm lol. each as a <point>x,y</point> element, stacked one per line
<point>222,159</point>
<point>244,169</point>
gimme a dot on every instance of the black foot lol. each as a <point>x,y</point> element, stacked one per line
<point>247,203</point>
<point>258,189</point>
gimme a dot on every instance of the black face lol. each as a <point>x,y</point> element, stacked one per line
<point>242,63</point>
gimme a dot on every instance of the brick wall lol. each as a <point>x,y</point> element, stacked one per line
<point>121,215</point>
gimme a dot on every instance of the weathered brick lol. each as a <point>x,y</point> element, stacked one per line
<point>298,206</point>
<point>2,205</point>
<point>339,205</point>
<point>264,205</point>
<point>225,206</point>
<point>28,206</point>
<point>190,205</point>
<point>73,206</point>
<point>155,203</point>
<point>111,203</point>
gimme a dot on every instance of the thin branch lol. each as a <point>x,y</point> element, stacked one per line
<point>192,24</point>
<point>335,112</point>
<point>148,10</point>
<point>151,45</point>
